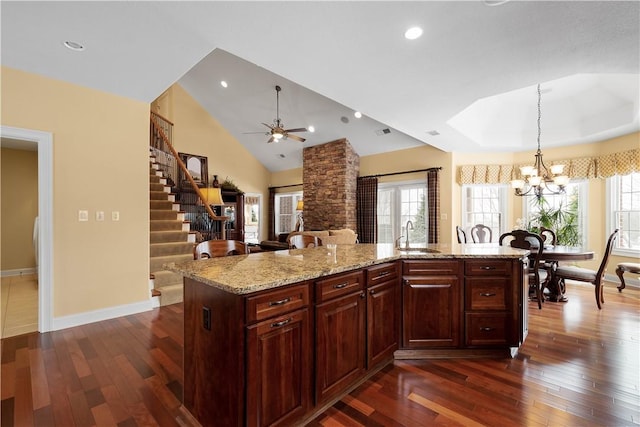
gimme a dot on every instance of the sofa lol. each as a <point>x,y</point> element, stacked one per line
<point>344,236</point>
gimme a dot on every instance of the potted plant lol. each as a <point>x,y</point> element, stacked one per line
<point>563,219</point>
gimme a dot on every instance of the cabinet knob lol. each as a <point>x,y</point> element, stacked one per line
<point>362,295</point>
<point>486,329</point>
<point>372,291</point>
<point>486,267</point>
<point>486,294</point>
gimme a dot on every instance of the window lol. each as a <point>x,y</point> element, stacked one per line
<point>399,203</point>
<point>484,204</point>
<point>252,218</point>
<point>285,211</point>
<point>624,198</point>
<point>563,213</point>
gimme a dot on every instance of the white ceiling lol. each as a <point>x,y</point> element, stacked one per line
<point>475,67</point>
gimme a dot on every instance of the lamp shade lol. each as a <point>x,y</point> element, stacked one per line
<point>213,196</point>
<point>300,205</point>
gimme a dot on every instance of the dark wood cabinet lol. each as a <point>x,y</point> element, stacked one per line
<point>279,365</point>
<point>340,334</point>
<point>492,291</point>
<point>383,307</point>
<point>431,304</point>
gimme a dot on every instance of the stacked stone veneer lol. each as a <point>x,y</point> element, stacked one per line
<point>329,179</point>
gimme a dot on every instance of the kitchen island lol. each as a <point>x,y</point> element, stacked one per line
<point>275,338</point>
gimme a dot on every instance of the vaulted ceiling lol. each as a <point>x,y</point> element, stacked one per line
<point>468,84</point>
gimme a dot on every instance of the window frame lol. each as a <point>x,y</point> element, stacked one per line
<point>583,207</point>
<point>297,195</point>
<point>612,195</point>
<point>503,210</point>
<point>247,217</point>
<point>397,226</point>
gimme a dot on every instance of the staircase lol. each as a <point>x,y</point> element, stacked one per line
<point>170,239</point>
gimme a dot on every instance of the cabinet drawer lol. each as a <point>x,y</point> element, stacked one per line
<point>486,329</point>
<point>341,284</point>
<point>276,302</point>
<point>487,267</point>
<point>487,293</point>
<point>382,273</point>
<point>429,268</point>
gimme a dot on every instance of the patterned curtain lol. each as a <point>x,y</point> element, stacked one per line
<point>271,212</point>
<point>367,209</point>
<point>605,166</point>
<point>433,203</point>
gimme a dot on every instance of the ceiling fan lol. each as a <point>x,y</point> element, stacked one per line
<point>277,131</point>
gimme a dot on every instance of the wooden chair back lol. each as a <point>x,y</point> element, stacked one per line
<point>462,236</point>
<point>523,239</point>
<point>480,233</point>
<point>300,241</point>
<point>548,236</point>
<point>219,248</point>
<point>590,276</point>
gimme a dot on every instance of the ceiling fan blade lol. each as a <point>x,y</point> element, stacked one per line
<point>296,137</point>
<point>249,133</point>
<point>271,140</point>
<point>297,130</point>
<point>269,126</point>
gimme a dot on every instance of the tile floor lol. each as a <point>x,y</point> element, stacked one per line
<point>19,305</point>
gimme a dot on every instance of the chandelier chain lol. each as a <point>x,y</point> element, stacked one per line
<point>539,114</point>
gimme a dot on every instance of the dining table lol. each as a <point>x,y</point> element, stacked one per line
<point>551,255</point>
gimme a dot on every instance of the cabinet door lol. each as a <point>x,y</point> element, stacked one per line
<point>340,344</point>
<point>382,321</point>
<point>279,369</point>
<point>431,312</point>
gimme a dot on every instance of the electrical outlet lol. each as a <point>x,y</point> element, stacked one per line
<point>115,216</point>
<point>83,215</point>
<point>99,215</point>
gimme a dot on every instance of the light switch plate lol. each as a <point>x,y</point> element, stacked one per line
<point>83,215</point>
<point>99,215</point>
<point>115,216</point>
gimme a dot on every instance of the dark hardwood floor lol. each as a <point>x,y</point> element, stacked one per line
<point>579,366</point>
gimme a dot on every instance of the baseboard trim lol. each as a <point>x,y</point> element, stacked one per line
<point>18,272</point>
<point>79,319</point>
<point>631,280</point>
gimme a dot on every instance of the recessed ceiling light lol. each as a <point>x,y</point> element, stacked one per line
<point>73,46</point>
<point>311,129</point>
<point>223,83</point>
<point>357,114</point>
<point>413,33</point>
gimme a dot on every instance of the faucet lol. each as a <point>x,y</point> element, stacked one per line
<point>408,227</point>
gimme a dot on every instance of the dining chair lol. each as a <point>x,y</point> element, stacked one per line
<point>300,241</point>
<point>548,235</point>
<point>219,248</point>
<point>595,277</point>
<point>462,236</point>
<point>480,233</point>
<point>523,239</point>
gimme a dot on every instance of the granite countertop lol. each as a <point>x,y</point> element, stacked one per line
<point>244,274</point>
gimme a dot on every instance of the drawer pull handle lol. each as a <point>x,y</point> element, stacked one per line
<point>282,301</point>
<point>281,323</point>
<point>384,273</point>
<point>487,295</point>
<point>487,267</point>
<point>372,291</point>
<point>341,285</point>
<point>486,329</point>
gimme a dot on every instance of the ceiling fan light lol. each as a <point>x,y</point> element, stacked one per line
<point>311,129</point>
<point>413,33</point>
<point>277,135</point>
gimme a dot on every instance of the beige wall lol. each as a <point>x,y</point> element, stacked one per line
<point>100,158</point>
<point>196,132</point>
<point>19,194</point>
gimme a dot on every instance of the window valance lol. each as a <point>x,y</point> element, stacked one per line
<point>605,166</point>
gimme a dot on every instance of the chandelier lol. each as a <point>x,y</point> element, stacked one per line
<point>537,180</point>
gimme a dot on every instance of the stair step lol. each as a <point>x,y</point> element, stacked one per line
<point>156,186</point>
<point>170,236</point>
<point>157,179</point>
<point>156,263</point>
<point>160,214</point>
<point>166,278</point>
<point>168,225</point>
<point>161,195</point>
<point>170,248</point>
<point>164,205</point>
<point>170,294</point>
